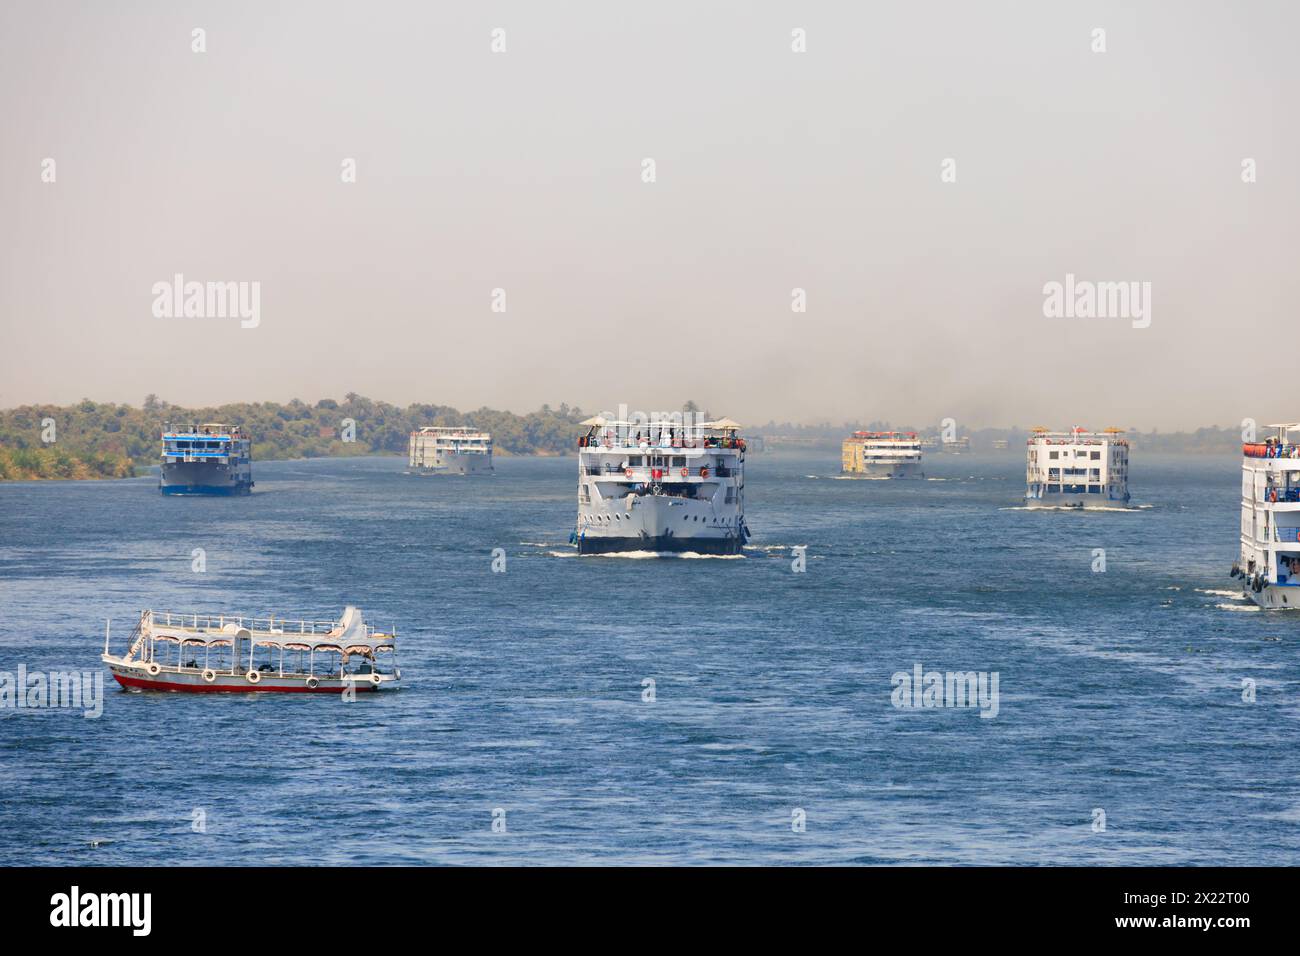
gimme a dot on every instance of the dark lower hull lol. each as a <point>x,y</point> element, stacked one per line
<point>662,543</point>
<point>225,491</point>
<point>201,478</point>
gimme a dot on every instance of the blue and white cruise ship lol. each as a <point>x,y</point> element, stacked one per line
<point>211,459</point>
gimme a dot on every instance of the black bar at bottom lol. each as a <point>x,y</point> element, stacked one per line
<point>272,904</point>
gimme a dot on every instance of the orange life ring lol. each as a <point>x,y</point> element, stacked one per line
<point>685,472</point>
<point>704,472</point>
<point>627,472</point>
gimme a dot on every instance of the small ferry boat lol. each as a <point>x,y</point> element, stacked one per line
<point>1077,469</point>
<point>882,455</point>
<point>665,485</point>
<point>209,459</point>
<point>203,652</point>
<point>1269,566</point>
<point>439,450</point>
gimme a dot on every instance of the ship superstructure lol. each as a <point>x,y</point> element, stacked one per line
<point>663,486</point>
<point>1269,566</point>
<point>208,459</point>
<point>1077,469</point>
<point>882,455</point>
<point>444,450</point>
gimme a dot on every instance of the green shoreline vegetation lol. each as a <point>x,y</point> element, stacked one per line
<point>104,440</point>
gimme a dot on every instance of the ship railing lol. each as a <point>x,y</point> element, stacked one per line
<point>1264,450</point>
<point>676,444</point>
<point>138,637</point>
<point>1286,535</point>
<point>1282,496</point>
<point>269,625</point>
<point>643,473</point>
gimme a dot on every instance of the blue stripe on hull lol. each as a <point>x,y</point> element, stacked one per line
<point>221,491</point>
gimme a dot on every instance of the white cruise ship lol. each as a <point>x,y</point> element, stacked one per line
<point>1269,567</point>
<point>1077,469</point>
<point>882,455</point>
<point>661,486</point>
<point>441,450</point>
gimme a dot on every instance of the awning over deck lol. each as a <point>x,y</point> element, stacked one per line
<point>350,635</point>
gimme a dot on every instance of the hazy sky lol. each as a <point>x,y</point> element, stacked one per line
<point>775,170</point>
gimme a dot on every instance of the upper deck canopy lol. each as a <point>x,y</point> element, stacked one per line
<point>205,430</point>
<point>350,632</point>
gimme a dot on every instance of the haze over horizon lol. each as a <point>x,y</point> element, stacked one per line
<point>775,170</point>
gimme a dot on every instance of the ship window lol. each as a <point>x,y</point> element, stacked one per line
<point>1096,456</point>
<point>634,461</point>
<point>1053,455</point>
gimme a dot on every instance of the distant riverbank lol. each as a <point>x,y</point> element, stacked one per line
<point>57,465</point>
<point>34,464</point>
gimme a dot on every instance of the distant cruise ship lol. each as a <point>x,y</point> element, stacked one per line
<point>1269,567</point>
<point>661,486</point>
<point>1077,469</point>
<point>210,459</point>
<point>440,450</point>
<point>882,455</point>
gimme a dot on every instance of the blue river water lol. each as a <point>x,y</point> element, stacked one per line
<point>524,697</point>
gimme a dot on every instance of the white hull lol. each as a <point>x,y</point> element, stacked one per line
<point>457,464</point>
<point>660,523</point>
<point>1274,597</point>
<point>1077,502</point>
<point>902,469</point>
<point>134,675</point>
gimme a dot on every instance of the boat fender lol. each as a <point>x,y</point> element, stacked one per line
<point>252,677</point>
<point>153,668</point>
<point>209,675</point>
<point>312,682</point>
<point>374,679</point>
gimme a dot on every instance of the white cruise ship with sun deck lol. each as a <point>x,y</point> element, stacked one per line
<point>1269,565</point>
<point>882,455</point>
<point>661,486</point>
<point>1077,469</point>
<point>448,450</point>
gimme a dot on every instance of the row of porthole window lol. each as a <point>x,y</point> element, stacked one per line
<point>619,517</point>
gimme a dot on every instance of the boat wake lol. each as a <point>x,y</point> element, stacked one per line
<point>640,555</point>
<point>1103,510</point>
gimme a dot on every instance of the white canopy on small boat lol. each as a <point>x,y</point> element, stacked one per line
<point>349,633</point>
